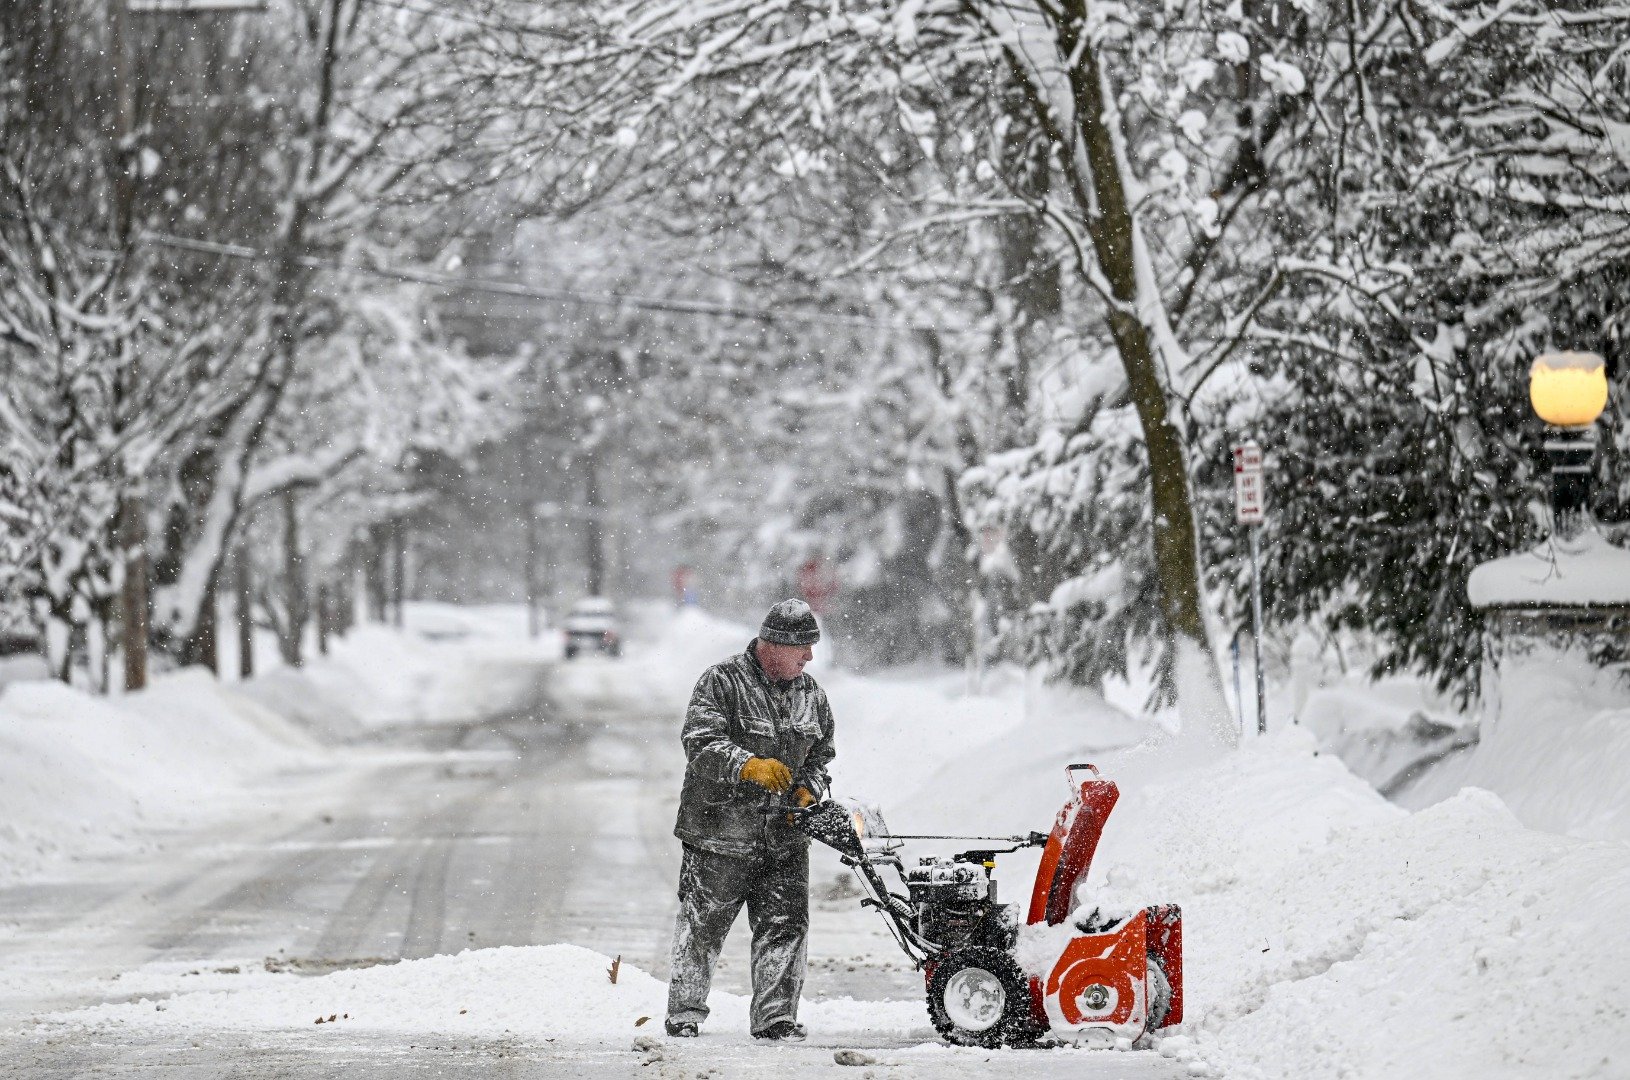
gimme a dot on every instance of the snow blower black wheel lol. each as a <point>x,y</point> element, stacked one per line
<point>1160,998</point>
<point>979,997</point>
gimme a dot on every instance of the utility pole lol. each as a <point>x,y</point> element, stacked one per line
<point>131,528</point>
<point>131,525</point>
<point>594,526</point>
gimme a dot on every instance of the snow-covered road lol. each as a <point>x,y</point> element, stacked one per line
<point>548,822</point>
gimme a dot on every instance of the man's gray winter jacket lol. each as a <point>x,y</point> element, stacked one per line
<point>735,713</point>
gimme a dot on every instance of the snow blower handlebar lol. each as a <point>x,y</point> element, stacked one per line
<point>1033,839</point>
<point>833,825</point>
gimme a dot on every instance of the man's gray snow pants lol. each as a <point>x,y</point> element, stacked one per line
<point>712,888</point>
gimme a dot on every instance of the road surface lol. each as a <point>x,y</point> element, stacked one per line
<point>547,823</point>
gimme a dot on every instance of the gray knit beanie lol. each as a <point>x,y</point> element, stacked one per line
<point>790,623</point>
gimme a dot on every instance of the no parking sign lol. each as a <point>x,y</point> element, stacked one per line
<point>1248,492</point>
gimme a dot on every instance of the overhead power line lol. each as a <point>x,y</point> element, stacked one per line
<point>195,7</point>
<point>666,305</point>
<point>437,10</point>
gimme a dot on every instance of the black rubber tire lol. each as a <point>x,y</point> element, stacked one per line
<point>1160,997</point>
<point>571,651</point>
<point>1015,1028</point>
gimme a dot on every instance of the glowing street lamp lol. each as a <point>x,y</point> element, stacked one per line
<point>1569,391</point>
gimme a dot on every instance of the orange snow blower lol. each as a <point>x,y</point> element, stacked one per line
<point>1093,977</point>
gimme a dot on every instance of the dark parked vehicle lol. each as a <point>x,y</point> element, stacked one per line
<point>591,626</point>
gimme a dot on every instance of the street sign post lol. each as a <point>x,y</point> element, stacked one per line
<point>1249,509</point>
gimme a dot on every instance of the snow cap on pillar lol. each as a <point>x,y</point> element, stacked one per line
<point>790,623</point>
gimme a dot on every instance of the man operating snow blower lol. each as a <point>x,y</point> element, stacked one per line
<point>758,738</point>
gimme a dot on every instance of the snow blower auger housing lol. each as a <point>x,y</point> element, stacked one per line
<point>1116,977</point>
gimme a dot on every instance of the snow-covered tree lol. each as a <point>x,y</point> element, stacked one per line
<point>1146,128</point>
<point>371,398</point>
<point>167,262</point>
<point>350,85</point>
<point>1473,216</point>
<point>102,369</point>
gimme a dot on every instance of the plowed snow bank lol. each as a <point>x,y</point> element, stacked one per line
<point>536,992</point>
<point>79,774</point>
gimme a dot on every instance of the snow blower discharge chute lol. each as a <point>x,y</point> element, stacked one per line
<point>1118,976</point>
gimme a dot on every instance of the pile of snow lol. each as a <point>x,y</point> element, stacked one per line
<point>1551,737</point>
<point>939,760</point>
<point>1330,933</point>
<point>1388,732</point>
<point>1455,938</point>
<point>678,645</point>
<point>498,624</point>
<point>449,664</point>
<point>1556,748</point>
<point>25,667</point>
<point>1583,570</point>
<point>558,992</point>
<point>80,774</point>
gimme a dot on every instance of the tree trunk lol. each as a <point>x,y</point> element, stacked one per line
<point>529,559</point>
<point>190,635</point>
<point>133,611</point>
<point>398,539</point>
<point>296,611</point>
<point>1117,251</point>
<point>1032,277</point>
<point>323,617</point>
<point>59,653</point>
<point>199,647</point>
<point>243,605</point>
<point>373,573</point>
<point>96,638</point>
<point>346,617</point>
<point>956,519</point>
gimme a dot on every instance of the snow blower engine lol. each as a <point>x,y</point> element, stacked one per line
<point>1098,977</point>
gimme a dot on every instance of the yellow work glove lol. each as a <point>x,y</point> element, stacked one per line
<point>803,798</point>
<point>767,773</point>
